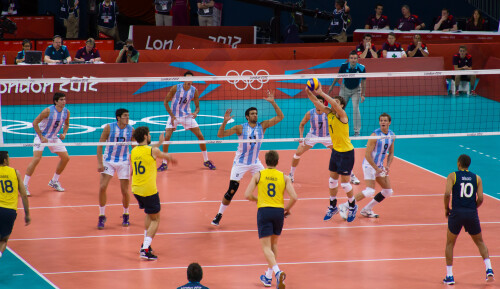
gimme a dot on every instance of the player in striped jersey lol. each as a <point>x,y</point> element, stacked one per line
<point>179,112</point>
<point>374,169</point>
<point>247,155</point>
<point>47,126</point>
<point>10,189</point>
<point>115,159</point>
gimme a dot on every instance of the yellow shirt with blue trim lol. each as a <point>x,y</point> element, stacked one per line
<point>339,133</point>
<point>143,171</point>
<point>270,189</point>
<point>9,188</point>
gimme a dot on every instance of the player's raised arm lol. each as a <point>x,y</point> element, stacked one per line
<point>335,105</point>
<point>157,153</point>
<point>279,114</point>
<point>317,103</point>
<point>104,137</point>
<point>223,132</point>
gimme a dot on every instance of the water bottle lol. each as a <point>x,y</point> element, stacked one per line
<point>3,60</point>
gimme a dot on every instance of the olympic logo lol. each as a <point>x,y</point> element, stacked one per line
<point>249,82</point>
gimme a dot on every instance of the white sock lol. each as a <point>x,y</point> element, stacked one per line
<point>332,198</point>
<point>276,269</point>
<point>101,210</point>
<point>165,161</point>
<point>1,256</point>
<point>147,242</point>
<point>269,273</point>
<point>222,208</point>
<point>487,263</point>
<point>449,272</point>
<point>351,200</point>
<point>371,204</point>
<point>55,178</point>
<point>292,170</point>
<point>26,180</point>
<point>145,233</point>
<point>125,210</point>
<point>205,155</point>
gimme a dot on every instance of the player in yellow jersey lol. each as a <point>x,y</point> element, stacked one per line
<point>271,185</point>
<point>11,187</point>
<point>342,157</point>
<point>143,160</point>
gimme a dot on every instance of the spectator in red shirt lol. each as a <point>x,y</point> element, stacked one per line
<point>408,21</point>
<point>476,22</point>
<point>392,45</point>
<point>88,53</point>
<point>463,61</point>
<point>365,48</point>
<point>417,48</point>
<point>377,21</point>
<point>445,22</point>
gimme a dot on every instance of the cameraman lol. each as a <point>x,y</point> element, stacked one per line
<point>128,54</point>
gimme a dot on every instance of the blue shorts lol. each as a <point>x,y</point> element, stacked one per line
<point>7,218</point>
<point>341,162</point>
<point>270,221</point>
<point>468,219</point>
<point>150,204</point>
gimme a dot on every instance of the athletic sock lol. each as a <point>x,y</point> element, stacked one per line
<point>145,233</point>
<point>487,263</point>
<point>147,242</point>
<point>26,180</point>
<point>205,155</point>
<point>0,254</point>
<point>371,204</point>
<point>222,208</point>
<point>276,269</point>
<point>101,210</point>
<point>125,210</point>
<point>292,170</point>
<point>55,178</point>
<point>165,161</point>
<point>333,202</point>
<point>352,202</point>
<point>449,271</point>
<point>269,273</point>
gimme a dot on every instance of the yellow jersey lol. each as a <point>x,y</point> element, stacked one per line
<point>143,171</point>
<point>270,189</point>
<point>9,188</point>
<point>339,133</point>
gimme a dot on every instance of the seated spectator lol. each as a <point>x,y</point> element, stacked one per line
<point>106,19</point>
<point>417,48</point>
<point>162,12</point>
<point>88,53</point>
<point>445,22</point>
<point>338,26</point>
<point>57,53</point>
<point>366,49</point>
<point>194,276</point>
<point>21,54</point>
<point>392,46</point>
<point>206,12</point>
<point>408,21</point>
<point>128,54</point>
<point>377,21</point>
<point>463,61</point>
<point>476,22</point>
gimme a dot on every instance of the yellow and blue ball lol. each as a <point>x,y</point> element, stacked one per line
<point>313,84</point>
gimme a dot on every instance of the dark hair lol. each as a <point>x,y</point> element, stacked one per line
<point>129,41</point>
<point>56,97</point>
<point>194,272</point>
<point>322,99</point>
<point>272,158</point>
<point>391,34</point>
<point>367,35</point>
<point>446,9</point>
<point>119,112</point>
<point>188,73</point>
<point>378,4</point>
<point>464,161</point>
<point>386,115</point>
<point>342,101</point>
<point>480,16</point>
<point>353,53</point>
<point>140,133</point>
<point>247,112</point>
<point>27,41</point>
<point>56,36</point>
<point>406,6</point>
<point>463,46</point>
<point>4,155</point>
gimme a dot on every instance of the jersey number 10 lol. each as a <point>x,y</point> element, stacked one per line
<point>466,190</point>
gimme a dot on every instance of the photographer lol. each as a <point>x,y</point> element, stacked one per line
<point>340,21</point>
<point>128,54</point>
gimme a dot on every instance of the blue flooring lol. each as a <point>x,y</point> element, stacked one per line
<point>14,273</point>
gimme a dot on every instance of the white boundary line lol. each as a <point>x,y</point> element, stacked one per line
<point>254,265</point>
<point>32,268</point>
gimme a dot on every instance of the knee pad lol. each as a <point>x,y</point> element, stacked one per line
<point>368,192</point>
<point>296,157</point>
<point>333,183</point>
<point>346,186</point>
<point>233,187</point>
<point>386,192</point>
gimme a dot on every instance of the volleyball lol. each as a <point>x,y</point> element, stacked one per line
<point>313,84</point>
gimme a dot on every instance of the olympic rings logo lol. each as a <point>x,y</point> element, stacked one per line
<point>249,82</point>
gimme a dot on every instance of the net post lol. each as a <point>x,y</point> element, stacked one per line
<point>1,127</point>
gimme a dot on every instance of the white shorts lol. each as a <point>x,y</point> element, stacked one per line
<point>370,173</point>
<point>239,170</point>
<point>122,169</point>
<point>53,149</point>
<point>308,142</point>
<point>186,121</point>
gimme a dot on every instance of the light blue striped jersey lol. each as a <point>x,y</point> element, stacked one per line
<point>51,125</point>
<point>181,100</point>
<point>248,153</point>
<point>118,153</point>
<point>319,123</point>
<point>381,147</point>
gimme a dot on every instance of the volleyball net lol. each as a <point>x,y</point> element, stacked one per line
<point>421,104</point>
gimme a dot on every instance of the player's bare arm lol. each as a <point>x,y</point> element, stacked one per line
<point>450,180</point>
<point>103,138</point>
<point>24,197</point>
<point>251,187</point>
<point>44,114</point>
<point>291,193</point>
<point>168,98</point>
<point>279,114</point>
<point>223,132</point>
<point>303,122</point>
<point>370,146</point>
<point>65,127</point>
<point>390,157</point>
<point>341,114</point>
<point>480,195</point>
<point>196,100</point>
<point>317,103</point>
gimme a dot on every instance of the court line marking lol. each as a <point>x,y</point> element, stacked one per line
<point>265,264</point>
<point>217,201</point>
<point>240,231</point>
<point>32,268</point>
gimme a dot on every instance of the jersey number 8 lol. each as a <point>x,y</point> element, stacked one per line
<point>271,189</point>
